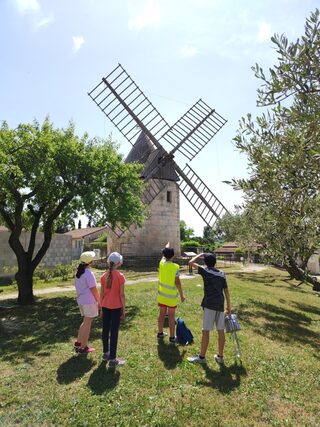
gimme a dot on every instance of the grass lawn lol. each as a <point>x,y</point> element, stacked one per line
<point>43,383</point>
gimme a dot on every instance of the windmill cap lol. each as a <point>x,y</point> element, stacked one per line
<point>87,257</point>
<point>115,257</point>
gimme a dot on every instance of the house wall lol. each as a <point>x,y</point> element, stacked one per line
<point>59,252</point>
<point>162,226</point>
<point>314,264</point>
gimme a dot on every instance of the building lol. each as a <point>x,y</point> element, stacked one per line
<point>81,236</point>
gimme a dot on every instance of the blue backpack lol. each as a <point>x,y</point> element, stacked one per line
<point>184,335</point>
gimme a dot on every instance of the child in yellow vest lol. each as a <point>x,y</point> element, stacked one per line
<point>168,289</point>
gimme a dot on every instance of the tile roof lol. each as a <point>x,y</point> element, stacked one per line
<point>79,233</point>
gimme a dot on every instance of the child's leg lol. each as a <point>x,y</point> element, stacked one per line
<point>114,331</point>
<point>172,321</point>
<point>106,318</point>
<point>84,331</point>
<point>162,313</point>
<point>204,343</point>
<point>221,341</point>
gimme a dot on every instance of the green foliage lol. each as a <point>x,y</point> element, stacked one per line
<point>103,238</point>
<point>185,232</point>
<point>43,273</point>
<point>282,193</point>
<point>49,175</point>
<point>65,271</point>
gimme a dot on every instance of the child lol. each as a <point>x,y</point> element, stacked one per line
<point>88,301</point>
<point>215,288</point>
<point>168,288</point>
<point>113,308</point>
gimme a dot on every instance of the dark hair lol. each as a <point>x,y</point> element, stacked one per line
<point>210,260</point>
<point>109,280</point>
<point>168,252</point>
<point>80,270</point>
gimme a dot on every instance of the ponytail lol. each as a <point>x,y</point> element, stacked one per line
<point>80,270</point>
<point>109,280</point>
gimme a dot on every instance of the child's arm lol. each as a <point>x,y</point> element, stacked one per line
<point>123,301</point>
<point>192,262</point>
<point>227,295</point>
<point>179,287</point>
<point>96,295</point>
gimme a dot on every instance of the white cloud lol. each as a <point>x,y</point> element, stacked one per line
<point>25,6</point>
<point>45,21</point>
<point>77,43</point>
<point>264,32</point>
<point>188,50</point>
<point>149,16</point>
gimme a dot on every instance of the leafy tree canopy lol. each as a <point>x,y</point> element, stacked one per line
<point>186,233</point>
<point>283,151</point>
<point>48,175</point>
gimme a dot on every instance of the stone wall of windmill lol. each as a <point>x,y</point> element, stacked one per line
<point>161,226</point>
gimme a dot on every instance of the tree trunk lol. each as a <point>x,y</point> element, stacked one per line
<point>24,280</point>
<point>299,274</point>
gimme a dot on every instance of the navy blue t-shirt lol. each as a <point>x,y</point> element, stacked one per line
<point>214,281</point>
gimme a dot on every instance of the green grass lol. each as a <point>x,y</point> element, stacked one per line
<point>42,383</point>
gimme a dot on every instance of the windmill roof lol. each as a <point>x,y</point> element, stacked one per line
<point>144,152</point>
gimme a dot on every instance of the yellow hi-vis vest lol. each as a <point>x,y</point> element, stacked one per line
<point>167,290</point>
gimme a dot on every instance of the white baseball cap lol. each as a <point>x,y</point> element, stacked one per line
<point>87,257</point>
<point>115,257</point>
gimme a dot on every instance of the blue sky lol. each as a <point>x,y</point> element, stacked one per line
<point>54,52</point>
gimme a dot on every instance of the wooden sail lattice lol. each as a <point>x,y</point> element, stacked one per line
<point>200,196</point>
<point>123,102</point>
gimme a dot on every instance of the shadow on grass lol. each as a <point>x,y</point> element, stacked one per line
<point>224,380</point>
<point>28,330</point>
<point>74,368</point>
<point>103,378</point>
<point>170,354</point>
<point>280,323</point>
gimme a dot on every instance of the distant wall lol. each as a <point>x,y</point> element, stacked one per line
<point>59,252</point>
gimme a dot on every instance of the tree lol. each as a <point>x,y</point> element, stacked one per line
<point>185,232</point>
<point>282,146</point>
<point>46,172</point>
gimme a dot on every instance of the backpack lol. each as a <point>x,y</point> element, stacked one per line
<point>184,335</point>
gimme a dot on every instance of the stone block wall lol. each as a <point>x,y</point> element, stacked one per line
<point>162,226</point>
<point>59,252</point>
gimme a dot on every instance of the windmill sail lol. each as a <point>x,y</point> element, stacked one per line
<point>122,101</point>
<point>192,132</point>
<point>206,204</point>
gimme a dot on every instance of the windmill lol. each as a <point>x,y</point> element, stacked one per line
<point>122,101</point>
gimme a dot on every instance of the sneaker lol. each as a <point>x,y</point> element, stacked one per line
<point>86,350</point>
<point>197,359</point>
<point>161,335</point>
<point>117,362</point>
<point>173,340</point>
<point>219,359</point>
<point>105,357</point>
<point>76,346</point>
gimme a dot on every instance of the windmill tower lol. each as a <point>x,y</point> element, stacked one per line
<point>154,145</point>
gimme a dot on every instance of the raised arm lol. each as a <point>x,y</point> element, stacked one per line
<point>192,262</point>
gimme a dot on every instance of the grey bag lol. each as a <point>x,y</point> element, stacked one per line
<point>232,323</point>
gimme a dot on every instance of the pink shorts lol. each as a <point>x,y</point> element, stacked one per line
<point>168,306</point>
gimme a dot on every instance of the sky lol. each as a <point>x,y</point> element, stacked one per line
<point>53,52</point>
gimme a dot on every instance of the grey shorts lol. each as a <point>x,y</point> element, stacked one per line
<point>212,319</point>
<point>89,310</point>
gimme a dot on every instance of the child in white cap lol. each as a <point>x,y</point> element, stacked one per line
<point>113,306</point>
<point>88,301</point>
